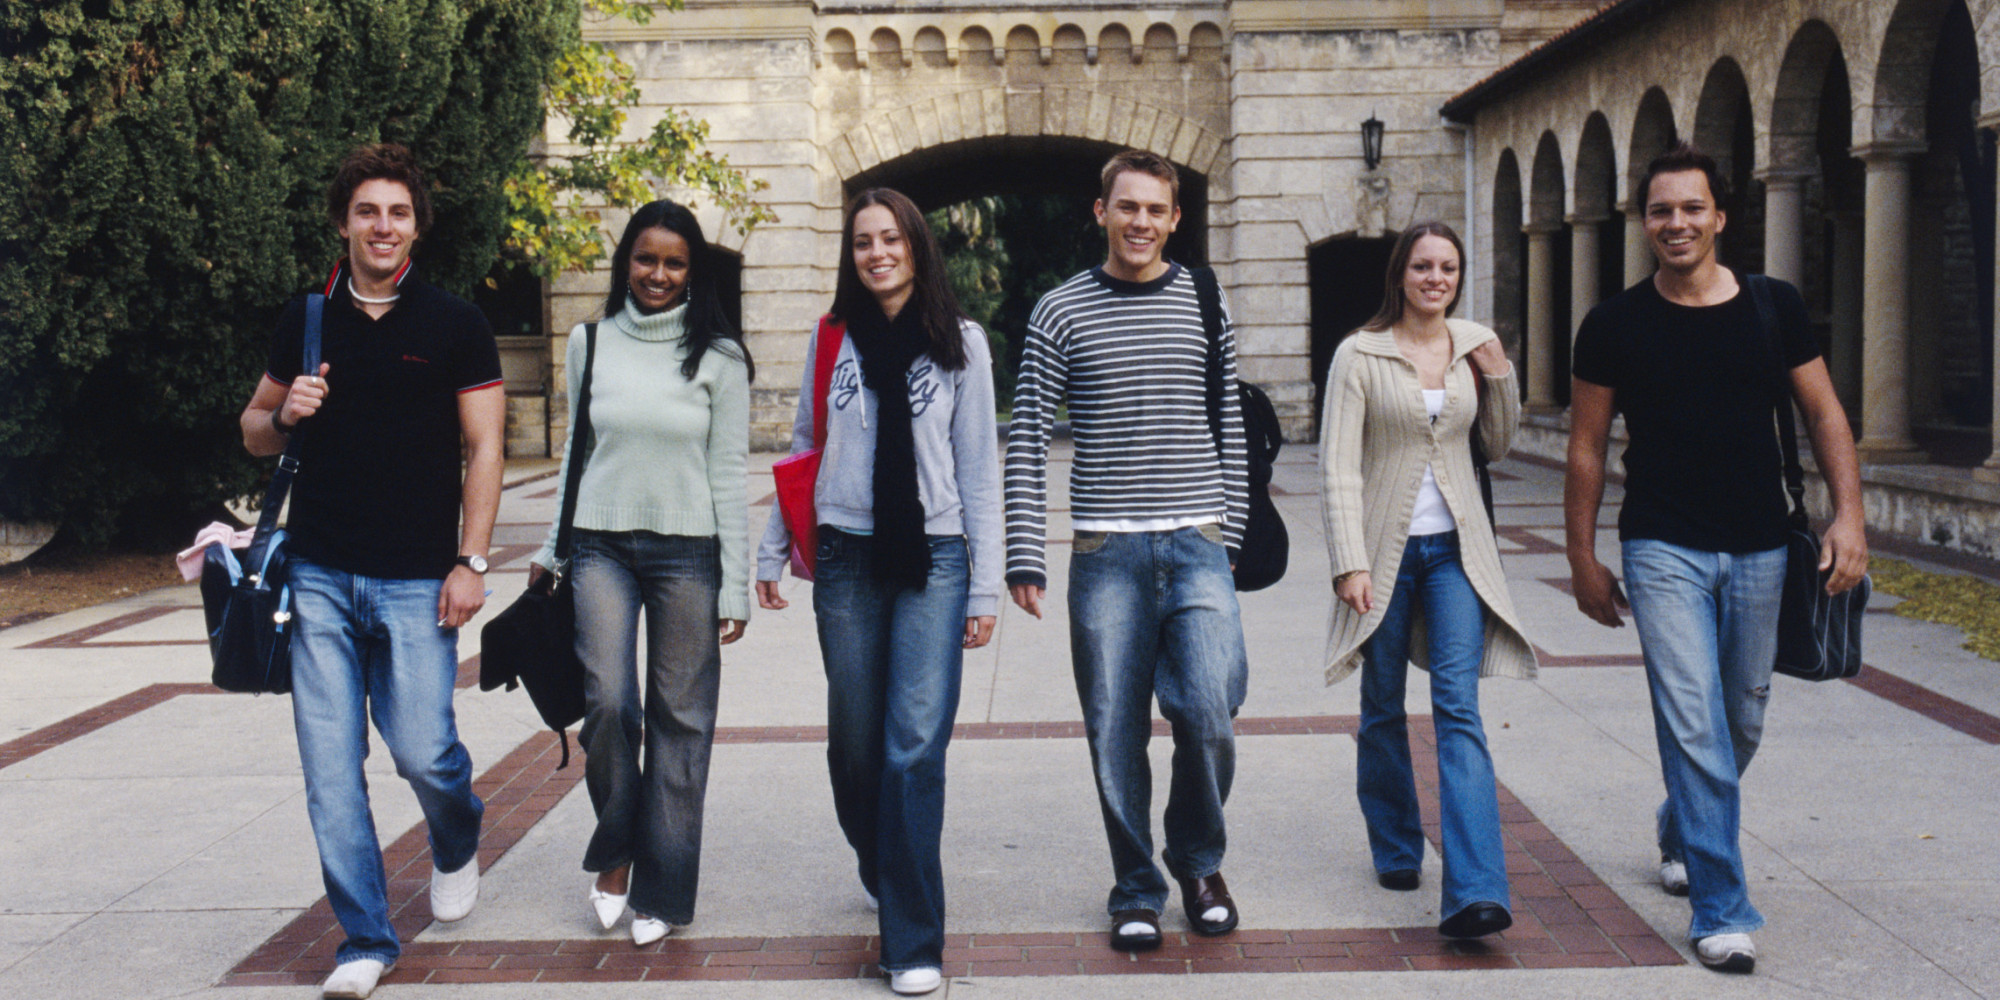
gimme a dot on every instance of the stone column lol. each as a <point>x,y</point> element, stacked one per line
<point>1583,236</point>
<point>1990,471</point>
<point>1784,217</point>
<point>1885,306</point>
<point>1638,250</point>
<point>1541,313</point>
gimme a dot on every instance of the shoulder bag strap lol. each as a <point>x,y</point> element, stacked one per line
<point>579,442</point>
<point>1208,295</point>
<point>831,333</point>
<point>1788,434</point>
<point>288,463</point>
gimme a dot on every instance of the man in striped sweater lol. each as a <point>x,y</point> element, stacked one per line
<point>1158,505</point>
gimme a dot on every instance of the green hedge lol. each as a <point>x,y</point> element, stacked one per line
<point>163,165</point>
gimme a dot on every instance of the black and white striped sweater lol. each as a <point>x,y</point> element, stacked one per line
<point>1131,361</point>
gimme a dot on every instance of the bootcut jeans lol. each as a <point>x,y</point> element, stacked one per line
<point>649,811</point>
<point>372,646</point>
<point>893,659</point>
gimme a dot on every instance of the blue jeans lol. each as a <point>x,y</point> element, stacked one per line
<point>1154,613</point>
<point>367,645</point>
<point>648,814</point>
<point>1431,583</point>
<point>893,658</point>
<point>1708,626</point>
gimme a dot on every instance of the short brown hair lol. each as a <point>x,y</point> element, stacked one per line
<point>379,161</point>
<point>1685,156</point>
<point>1399,261</point>
<point>1143,162</point>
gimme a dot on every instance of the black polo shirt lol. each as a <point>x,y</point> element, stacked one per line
<point>1699,387</point>
<point>379,484</point>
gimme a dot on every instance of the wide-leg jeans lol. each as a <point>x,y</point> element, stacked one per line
<point>1431,583</point>
<point>649,812</point>
<point>1708,630</point>
<point>893,661</point>
<point>1154,614</point>
<point>372,646</point>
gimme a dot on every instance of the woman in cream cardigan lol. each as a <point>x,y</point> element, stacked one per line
<point>1416,570</point>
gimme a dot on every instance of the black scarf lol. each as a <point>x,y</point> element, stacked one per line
<point>887,348</point>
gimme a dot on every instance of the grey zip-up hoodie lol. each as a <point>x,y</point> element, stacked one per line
<point>958,460</point>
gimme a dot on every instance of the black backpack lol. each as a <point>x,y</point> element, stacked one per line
<point>1266,545</point>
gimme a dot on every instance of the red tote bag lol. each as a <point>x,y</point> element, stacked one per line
<point>797,475</point>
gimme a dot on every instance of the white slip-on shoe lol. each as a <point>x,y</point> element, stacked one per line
<point>874,904</point>
<point>1673,876</point>
<point>609,907</point>
<point>453,893</point>
<point>354,980</point>
<point>912,982</point>
<point>646,930</point>
<point>1727,952</point>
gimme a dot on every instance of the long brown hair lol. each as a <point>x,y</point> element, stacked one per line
<point>937,309</point>
<point>1399,261</point>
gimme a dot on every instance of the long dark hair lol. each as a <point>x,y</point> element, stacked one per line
<point>937,309</point>
<point>1399,261</point>
<point>707,326</point>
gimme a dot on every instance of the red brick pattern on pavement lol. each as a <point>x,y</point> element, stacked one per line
<point>1565,916</point>
<point>91,720</point>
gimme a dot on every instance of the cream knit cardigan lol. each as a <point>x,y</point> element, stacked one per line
<point>1374,442</point>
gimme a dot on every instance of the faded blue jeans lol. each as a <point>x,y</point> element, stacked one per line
<point>648,813</point>
<point>1154,614</point>
<point>372,646</point>
<point>893,661</point>
<point>1708,628</point>
<point>1431,583</point>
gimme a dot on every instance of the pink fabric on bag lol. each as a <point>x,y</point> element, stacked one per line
<point>189,559</point>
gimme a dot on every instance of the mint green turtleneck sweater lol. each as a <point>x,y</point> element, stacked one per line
<point>667,452</point>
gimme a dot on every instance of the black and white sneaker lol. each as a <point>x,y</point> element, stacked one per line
<point>1727,952</point>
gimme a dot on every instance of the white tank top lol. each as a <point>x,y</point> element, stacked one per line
<point>1431,516</point>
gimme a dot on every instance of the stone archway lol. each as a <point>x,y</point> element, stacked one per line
<point>1723,128</point>
<point>1547,349</point>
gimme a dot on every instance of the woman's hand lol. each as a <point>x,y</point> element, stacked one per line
<point>978,631</point>
<point>731,629</point>
<point>767,596</point>
<point>1490,358</point>
<point>1357,591</point>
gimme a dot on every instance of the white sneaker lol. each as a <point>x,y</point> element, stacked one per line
<point>874,905</point>
<point>911,982</point>
<point>453,893</point>
<point>1727,952</point>
<point>646,930</point>
<point>1673,876</point>
<point>354,980</point>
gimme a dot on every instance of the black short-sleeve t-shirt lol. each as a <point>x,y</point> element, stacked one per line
<point>1699,387</point>
<point>379,484</point>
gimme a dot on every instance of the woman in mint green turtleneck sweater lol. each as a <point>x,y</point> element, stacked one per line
<point>660,524</point>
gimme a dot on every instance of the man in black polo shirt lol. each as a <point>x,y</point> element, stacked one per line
<point>1688,359</point>
<point>385,573</point>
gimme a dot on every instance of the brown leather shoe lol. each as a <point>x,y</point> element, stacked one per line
<point>1203,894</point>
<point>1145,940</point>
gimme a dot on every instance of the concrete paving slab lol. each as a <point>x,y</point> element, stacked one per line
<point>22,935</point>
<point>1953,922</point>
<point>140,956</point>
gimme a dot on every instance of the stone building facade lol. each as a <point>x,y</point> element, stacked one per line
<point>1860,139</point>
<point>1259,102</point>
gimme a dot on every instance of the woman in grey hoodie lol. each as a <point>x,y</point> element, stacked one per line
<point>909,557</point>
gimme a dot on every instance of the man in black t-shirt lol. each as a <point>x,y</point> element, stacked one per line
<point>384,572</point>
<point>1686,356</point>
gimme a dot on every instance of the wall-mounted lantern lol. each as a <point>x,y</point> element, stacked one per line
<point>1371,142</point>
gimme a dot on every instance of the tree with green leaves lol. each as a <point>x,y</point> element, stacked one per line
<point>553,229</point>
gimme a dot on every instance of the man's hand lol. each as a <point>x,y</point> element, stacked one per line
<point>306,395</point>
<point>1598,594</point>
<point>732,629</point>
<point>768,597</point>
<point>1028,597</point>
<point>461,597</point>
<point>1844,549</point>
<point>978,631</point>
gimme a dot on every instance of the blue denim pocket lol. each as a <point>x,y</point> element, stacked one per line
<point>1088,542</point>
